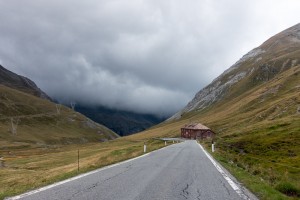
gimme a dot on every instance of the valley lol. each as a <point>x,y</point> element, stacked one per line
<point>121,122</point>
<point>253,107</point>
<point>38,122</point>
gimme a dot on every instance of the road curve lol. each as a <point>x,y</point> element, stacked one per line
<point>180,171</point>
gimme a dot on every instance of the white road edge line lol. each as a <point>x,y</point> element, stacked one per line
<point>79,176</point>
<point>226,177</point>
<point>71,179</point>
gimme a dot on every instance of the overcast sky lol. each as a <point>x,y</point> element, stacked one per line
<point>148,56</point>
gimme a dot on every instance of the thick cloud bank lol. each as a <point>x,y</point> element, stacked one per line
<point>138,55</point>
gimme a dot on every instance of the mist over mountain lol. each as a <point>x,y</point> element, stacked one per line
<point>29,117</point>
<point>122,122</point>
<point>137,55</point>
<point>129,64</point>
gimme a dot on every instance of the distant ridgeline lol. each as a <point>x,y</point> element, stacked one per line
<point>21,83</point>
<point>122,122</point>
<point>29,117</point>
<point>275,59</point>
<point>254,109</point>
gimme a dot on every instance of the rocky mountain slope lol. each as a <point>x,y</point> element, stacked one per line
<point>254,109</point>
<point>21,83</point>
<point>275,56</point>
<point>38,121</point>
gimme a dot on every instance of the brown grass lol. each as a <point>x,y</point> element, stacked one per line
<point>26,169</point>
<point>254,127</point>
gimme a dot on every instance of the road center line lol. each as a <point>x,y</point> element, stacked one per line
<point>226,177</point>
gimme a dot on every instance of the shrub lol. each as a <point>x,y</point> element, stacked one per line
<point>256,172</point>
<point>288,189</point>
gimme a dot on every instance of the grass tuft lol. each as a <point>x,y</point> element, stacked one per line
<point>288,189</point>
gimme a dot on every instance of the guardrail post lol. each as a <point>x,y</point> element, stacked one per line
<point>145,147</point>
<point>78,161</point>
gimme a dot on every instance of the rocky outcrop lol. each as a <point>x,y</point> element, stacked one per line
<point>276,55</point>
<point>21,83</point>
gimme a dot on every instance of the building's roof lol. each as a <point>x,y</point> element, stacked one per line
<point>196,126</point>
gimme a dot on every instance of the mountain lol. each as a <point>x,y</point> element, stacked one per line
<point>273,58</point>
<point>254,109</point>
<point>122,122</point>
<point>29,118</point>
<point>21,83</point>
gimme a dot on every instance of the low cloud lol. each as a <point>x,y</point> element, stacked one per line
<point>137,55</point>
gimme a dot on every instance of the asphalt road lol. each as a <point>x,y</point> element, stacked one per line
<point>180,171</point>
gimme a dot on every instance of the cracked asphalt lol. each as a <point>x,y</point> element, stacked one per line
<point>180,171</point>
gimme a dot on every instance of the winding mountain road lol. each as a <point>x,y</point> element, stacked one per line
<point>180,171</point>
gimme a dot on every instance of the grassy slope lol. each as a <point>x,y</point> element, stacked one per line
<point>44,150</point>
<point>29,168</point>
<point>258,133</point>
<point>257,139</point>
<point>39,123</point>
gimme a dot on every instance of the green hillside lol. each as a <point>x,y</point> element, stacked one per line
<point>258,134</point>
<point>39,122</point>
<point>254,108</point>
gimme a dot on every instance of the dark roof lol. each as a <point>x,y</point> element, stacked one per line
<point>196,126</point>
